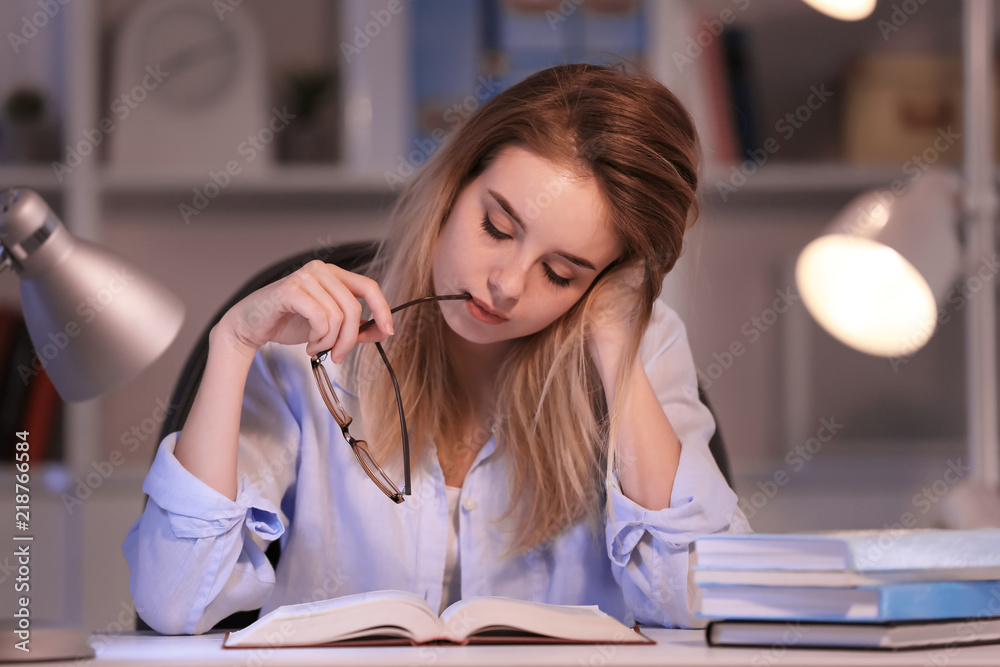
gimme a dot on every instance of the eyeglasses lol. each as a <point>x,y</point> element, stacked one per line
<point>360,447</point>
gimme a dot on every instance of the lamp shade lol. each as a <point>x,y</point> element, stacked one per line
<point>875,278</point>
<point>845,10</point>
<point>95,320</point>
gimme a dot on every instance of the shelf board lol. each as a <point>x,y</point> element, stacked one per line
<point>774,178</point>
<point>284,180</point>
<point>794,177</point>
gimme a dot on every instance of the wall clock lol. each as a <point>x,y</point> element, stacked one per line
<point>189,90</point>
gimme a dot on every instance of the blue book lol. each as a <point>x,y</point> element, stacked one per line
<point>875,604</point>
<point>867,551</point>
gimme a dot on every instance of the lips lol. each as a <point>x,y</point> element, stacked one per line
<point>484,313</point>
<point>495,313</point>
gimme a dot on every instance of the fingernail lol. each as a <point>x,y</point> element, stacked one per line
<point>391,330</point>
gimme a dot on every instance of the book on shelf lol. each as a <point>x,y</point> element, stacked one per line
<point>28,399</point>
<point>862,551</point>
<point>891,636</point>
<point>718,134</point>
<point>890,602</point>
<point>399,617</point>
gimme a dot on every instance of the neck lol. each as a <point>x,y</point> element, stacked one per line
<point>476,367</point>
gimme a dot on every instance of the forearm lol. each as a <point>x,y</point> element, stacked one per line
<point>208,443</point>
<point>648,448</point>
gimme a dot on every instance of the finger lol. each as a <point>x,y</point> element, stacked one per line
<point>367,289</point>
<point>323,324</point>
<point>334,312</point>
<point>350,308</point>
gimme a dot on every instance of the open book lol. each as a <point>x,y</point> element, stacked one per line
<point>398,617</point>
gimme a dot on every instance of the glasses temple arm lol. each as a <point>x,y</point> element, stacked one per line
<point>464,296</point>
<point>402,421</point>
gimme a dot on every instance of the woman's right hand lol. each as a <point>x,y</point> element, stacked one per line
<point>317,304</point>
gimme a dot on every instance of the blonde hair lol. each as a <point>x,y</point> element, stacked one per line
<point>634,139</point>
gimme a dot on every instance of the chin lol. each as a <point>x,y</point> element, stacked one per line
<point>464,328</point>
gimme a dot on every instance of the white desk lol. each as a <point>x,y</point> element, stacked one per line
<point>673,647</point>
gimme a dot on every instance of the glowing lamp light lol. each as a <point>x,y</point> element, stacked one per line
<point>845,10</point>
<point>866,295</point>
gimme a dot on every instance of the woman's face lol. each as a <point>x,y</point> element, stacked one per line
<point>526,238</point>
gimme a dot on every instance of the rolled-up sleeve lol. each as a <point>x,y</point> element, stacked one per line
<point>195,556</point>
<point>649,550</point>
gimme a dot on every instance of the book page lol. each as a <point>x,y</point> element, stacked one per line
<point>475,615</point>
<point>385,613</point>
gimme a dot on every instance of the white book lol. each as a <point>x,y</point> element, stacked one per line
<point>864,551</point>
<point>837,578</point>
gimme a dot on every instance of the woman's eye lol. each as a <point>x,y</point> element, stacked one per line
<point>492,231</point>
<point>555,278</point>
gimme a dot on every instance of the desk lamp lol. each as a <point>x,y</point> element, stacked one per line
<point>95,320</point>
<point>876,278</point>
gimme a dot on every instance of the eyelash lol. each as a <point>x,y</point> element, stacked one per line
<point>497,235</point>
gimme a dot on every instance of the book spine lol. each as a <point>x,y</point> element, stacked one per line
<point>939,600</point>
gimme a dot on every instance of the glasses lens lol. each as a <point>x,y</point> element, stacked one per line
<point>375,471</point>
<point>330,396</point>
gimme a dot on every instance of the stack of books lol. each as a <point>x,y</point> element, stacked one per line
<point>852,589</point>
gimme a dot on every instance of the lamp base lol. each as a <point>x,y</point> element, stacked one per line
<point>45,643</point>
<point>971,505</point>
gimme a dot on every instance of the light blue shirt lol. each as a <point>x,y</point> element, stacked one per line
<point>195,556</point>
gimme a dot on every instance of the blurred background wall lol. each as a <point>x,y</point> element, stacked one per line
<point>206,139</point>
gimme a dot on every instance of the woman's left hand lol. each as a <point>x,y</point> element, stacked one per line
<point>613,312</point>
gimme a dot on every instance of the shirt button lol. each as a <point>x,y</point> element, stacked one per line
<point>469,504</point>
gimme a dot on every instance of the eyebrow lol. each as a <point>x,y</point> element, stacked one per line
<point>509,210</point>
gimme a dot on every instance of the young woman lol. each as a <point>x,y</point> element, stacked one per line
<point>559,450</point>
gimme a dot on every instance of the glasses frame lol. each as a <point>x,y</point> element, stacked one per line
<point>344,420</point>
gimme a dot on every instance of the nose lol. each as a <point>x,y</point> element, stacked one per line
<point>506,283</point>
